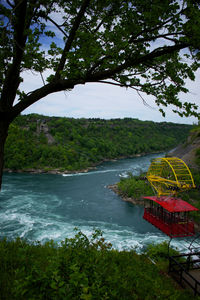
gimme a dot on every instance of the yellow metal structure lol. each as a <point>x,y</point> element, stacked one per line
<point>169,175</point>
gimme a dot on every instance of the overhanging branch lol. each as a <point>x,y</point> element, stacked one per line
<point>58,26</point>
<point>128,86</point>
<point>42,92</point>
<point>71,37</point>
<point>63,84</point>
<point>12,75</point>
<point>132,62</point>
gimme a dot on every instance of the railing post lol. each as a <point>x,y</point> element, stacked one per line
<point>181,277</point>
<point>169,264</point>
<point>195,289</point>
<point>188,262</point>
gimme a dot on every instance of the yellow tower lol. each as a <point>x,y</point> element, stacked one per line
<point>169,175</point>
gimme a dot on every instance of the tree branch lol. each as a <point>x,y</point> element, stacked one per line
<point>63,84</point>
<point>164,36</point>
<point>98,63</point>
<point>29,99</point>
<point>131,62</point>
<point>112,83</point>
<point>9,3</point>
<point>157,27</point>
<point>58,26</point>
<point>144,101</point>
<point>12,76</point>
<point>71,37</point>
<point>127,86</point>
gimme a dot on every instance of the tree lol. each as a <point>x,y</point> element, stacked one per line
<point>144,45</point>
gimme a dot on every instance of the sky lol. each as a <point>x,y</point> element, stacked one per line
<point>95,100</point>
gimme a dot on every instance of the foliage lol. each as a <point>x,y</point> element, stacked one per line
<point>131,43</point>
<point>80,268</point>
<point>159,254</point>
<point>134,187</point>
<point>160,251</point>
<point>36,141</point>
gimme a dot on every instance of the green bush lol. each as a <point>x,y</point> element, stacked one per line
<point>159,253</point>
<point>134,187</point>
<point>80,268</point>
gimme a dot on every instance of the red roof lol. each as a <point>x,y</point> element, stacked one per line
<point>172,204</point>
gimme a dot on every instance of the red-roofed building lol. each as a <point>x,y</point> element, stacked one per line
<point>170,215</point>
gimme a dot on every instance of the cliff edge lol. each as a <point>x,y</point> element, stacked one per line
<point>189,151</point>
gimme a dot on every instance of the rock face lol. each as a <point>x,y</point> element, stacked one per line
<point>43,127</point>
<point>187,151</point>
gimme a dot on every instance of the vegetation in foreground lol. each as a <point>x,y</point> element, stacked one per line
<point>84,269</point>
<point>40,142</point>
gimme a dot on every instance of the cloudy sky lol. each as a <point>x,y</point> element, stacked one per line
<point>95,100</point>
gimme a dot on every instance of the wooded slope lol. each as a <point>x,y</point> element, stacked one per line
<point>41,142</point>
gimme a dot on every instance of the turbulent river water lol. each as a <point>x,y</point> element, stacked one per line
<point>40,207</point>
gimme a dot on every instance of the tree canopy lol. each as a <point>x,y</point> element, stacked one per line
<point>149,46</point>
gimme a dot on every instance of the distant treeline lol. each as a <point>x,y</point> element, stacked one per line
<point>42,142</point>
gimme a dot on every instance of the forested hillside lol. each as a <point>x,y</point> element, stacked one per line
<point>41,142</point>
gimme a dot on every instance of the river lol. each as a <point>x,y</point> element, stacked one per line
<point>40,207</point>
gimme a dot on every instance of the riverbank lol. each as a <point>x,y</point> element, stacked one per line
<point>49,171</point>
<point>125,198</point>
<point>59,171</point>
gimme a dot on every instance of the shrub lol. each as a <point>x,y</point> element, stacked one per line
<point>134,187</point>
<point>80,268</point>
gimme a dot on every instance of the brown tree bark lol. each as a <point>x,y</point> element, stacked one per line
<point>4,125</point>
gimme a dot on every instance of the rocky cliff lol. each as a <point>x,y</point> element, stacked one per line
<point>189,151</point>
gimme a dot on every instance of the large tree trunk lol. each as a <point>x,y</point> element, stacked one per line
<point>3,135</point>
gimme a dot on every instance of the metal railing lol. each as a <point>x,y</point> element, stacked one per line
<point>181,265</point>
